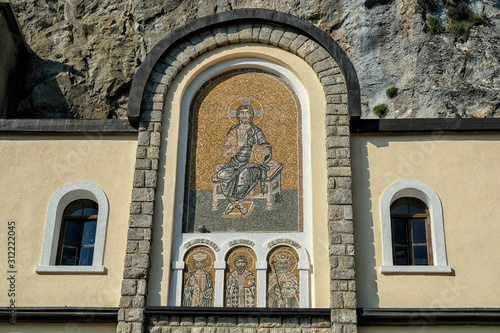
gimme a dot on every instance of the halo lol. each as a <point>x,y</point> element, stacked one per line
<point>203,249</point>
<point>256,106</point>
<point>237,252</point>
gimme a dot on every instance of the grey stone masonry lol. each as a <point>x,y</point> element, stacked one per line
<point>241,324</point>
<point>341,239</point>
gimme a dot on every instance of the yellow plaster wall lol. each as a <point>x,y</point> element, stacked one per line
<point>166,201</point>
<point>462,170</point>
<point>33,168</point>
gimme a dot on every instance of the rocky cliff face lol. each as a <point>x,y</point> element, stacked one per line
<point>86,52</point>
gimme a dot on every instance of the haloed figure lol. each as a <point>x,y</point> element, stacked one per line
<point>283,289</point>
<point>240,285</point>
<point>198,287</point>
<point>241,174</point>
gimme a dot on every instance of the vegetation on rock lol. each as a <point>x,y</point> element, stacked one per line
<point>391,92</point>
<point>462,19</point>
<point>380,110</point>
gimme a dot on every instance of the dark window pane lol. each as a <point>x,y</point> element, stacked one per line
<point>420,255</point>
<point>399,230</point>
<point>90,208</point>
<point>418,231</point>
<point>416,207</point>
<point>89,233</point>
<point>75,209</point>
<point>72,234</point>
<point>86,256</point>
<point>400,207</point>
<point>400,255</point>
<point>68,256</point>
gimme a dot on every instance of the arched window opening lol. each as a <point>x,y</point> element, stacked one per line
<point>411,236</point>
<point>78,233</point>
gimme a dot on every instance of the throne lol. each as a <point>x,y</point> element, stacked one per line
<point>272,187</point>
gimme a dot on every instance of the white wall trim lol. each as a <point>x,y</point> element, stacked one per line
<point>414,189</point>
<point>59,201</point>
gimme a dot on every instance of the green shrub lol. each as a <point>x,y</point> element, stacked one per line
<point>434,25</point>
<point>462,19</point>
<point>391,92</point>
<point>380,110</point>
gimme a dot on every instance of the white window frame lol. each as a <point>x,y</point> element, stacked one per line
<point>418,190</point>
<point>58,203</point>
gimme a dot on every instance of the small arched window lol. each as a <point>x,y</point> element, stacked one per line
<point>78,233</point>
<point>411,232</point>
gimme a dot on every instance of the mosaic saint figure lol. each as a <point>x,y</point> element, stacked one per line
<point>198,287</point>
<point>249,151</point>
<point>240,285</point>
<point>283,285</point>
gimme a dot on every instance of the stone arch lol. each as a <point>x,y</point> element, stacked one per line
<point>299,37</point>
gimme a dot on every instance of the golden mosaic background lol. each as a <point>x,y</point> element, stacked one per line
<point>211,124</point>
<point>189,264</point>
<point>294,269</point>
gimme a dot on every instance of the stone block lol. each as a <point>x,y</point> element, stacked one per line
<point>153,152</point>
<point>342,274</point>
<point>139,301</point>
<point>336,109</point>
<point>186,321</point>
<point>334,99</point>
<point>335,89</point>
<point>328,80</point>
<point>337,250</point>
<point>143,139</point>
<point>226,321</point>
<point>141,152</point>
<point>352,285</point>
<point>147,208</point>
<point>128,260</point>
<point>324,65</point>
<point>137,327</point>
<point>338,141</point>
<point>233,36</point>
<point>189,49</point>
<point>151,177</point>
<point>344,316</point>
<point>125,302</point>
<point>335,212</point>
<point>143,194</point>
<point>305,322</point>
<point>142,287</point>
<point>166,330</point>
<point>135,208</point>
<point>329,71</point>
<point>339,172</point>
<point>349,300</point>
<point>255,32</point>
<point>220,36</point>
<point>155,139</point>
<point>276,35</point>
<point>245,32</point>
<point>200,321</point>
<point>123,327</point>
<point>341,226</point>
<point>336,300</point>
<point>135,234</point>
<point>350,250</point>
<point>339,196</point>
<point>132,247</point>
<point>134,315</point>
<point>142,164</point>
<point>198,44</point>
<point>248,321</point>
<point>134,273</point>
<point>197,330</point>
<point>333,163</point>
<point>209,40</point>
<point>307,48</point>
<point>320,323</point>
<point>144,247</point>
<point>347,238</point>
<point>317,55</point>
<point>287,39</point>
<point>154,164</point>
<point>334,262</point>
<point>140,260</point>
<point>269,322</point>
<point>290,322</point>
<point>129,287</point>
<point>297,43</point>
<point>138,178</point>
<point>347,262</point>
<point>265,33</point>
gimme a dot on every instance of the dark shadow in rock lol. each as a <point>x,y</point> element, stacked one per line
<point>36,92</point>
<point>373,3</point>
